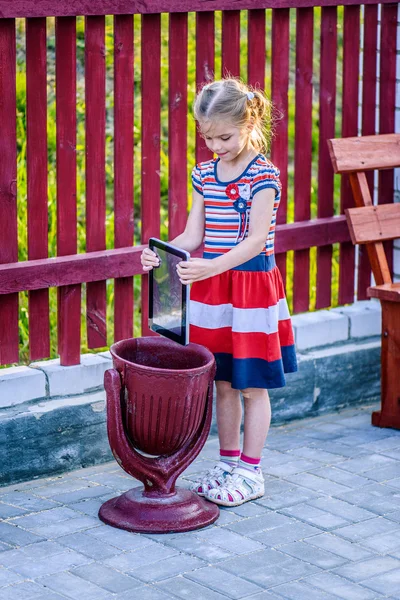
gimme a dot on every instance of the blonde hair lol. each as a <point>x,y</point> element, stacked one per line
<point>231,100</point>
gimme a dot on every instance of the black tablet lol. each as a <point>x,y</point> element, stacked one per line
<point>168,298</point>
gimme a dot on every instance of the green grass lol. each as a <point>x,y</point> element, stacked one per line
<point>80,150</point>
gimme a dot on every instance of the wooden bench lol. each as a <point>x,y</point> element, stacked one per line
<point>372,225</point>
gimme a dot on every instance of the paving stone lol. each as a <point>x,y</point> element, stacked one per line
<point>143,557</point>
<point>385,543</point>
<point>308,480</point>
<point>339,587</point>
<point>385,446</point>
<point>125,540</point>
<point>32,568</point>
<point>395,483</point>
<point>7,577</point>
<point>313,555</point>
<point>90,507</point>
<point>181,587</point>
<point>273,575</point>
<point>350,480</point>
<point>225,583</point>
<point>386,473</point>
<point>46,517</point>
<point>386,583</point>
<point>75,587</point>
<point>291,468</point>
<point>89,546</point>
<point>7,511</point>
<point>55,530</point>
<point>318,455</point>
<point>377,498</point>
<point>226,517</point>
<point>365,529</point>
<point>39,551</point>
<point>81,494</point>
<point>145,592</point>
<point>286,534</point>
<point>169,567</point>
<point>294,495</point>
<point>53,488</point>
<point>372,462</point>
<point>249,527</point>
<point>314,516</point>
<point>15,536</point>
<point>28,501</point>
<point>241,565</point>
<point>344,509</point>
<point>201,549</point>
<point>368,568</point>
<point>250,509</point>
<point>107,578</point>
<point>28,590</point>
<point>228,540</point>
<point>301,591</point>
<point>339,546</point>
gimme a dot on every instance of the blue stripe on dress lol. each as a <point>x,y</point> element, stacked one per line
<point>245,373</point>
<point>261,262</point>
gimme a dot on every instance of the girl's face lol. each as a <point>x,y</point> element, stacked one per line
<point>225,140</point>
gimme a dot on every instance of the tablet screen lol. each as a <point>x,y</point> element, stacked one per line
<point>168,298</point>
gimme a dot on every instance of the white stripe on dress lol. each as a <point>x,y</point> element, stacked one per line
<point>241,320</point>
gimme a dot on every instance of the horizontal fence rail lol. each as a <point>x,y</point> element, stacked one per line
<point>97,144</point>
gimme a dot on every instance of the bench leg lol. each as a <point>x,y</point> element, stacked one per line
<point>389,415</point>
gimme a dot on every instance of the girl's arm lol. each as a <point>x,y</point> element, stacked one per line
<point>262,208</point>
<point>189,240</point>
<point>193,235</point>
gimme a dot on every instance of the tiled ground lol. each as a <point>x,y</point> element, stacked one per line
<point>327,528</point>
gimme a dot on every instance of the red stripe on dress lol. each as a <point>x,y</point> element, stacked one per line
<point>216,340</point>
<point>256,345</point>
<point>286,333</point>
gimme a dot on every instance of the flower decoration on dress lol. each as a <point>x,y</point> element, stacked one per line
<point>232,191</point>
<point>240,195</point>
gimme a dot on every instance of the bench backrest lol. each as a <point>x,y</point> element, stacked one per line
<point>365,153</point>
<point>369,224</point>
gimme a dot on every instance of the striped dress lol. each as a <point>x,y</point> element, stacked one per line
<point>241,315</point>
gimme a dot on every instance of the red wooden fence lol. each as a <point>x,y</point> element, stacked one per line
<point>313,90</point>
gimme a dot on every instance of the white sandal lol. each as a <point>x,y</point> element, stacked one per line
<point>243,485</point>
<point>211,479</point>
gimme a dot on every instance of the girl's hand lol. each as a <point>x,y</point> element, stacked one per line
<point>195,269</point>
<point>149,259</point>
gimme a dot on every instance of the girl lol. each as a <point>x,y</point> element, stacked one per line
<point>238,307</point>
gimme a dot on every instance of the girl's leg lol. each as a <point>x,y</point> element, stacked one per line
<point>247,482</point>
<point>229,416</point>
<point>257,419</point>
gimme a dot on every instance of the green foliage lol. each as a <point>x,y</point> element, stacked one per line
<point>80,149</point>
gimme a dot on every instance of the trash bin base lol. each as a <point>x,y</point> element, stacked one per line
<point>183,511</point>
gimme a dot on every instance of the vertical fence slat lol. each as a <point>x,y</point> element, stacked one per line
<point>69,297</point>
<point>302,154</point>
<point>8,188</point>
<point>387,101</point>
<point>327,109</point>
<point>230,43</point>
<point>205,31</point>
<point>95,113</point>
<point>351,48</point>
<point>256,48</point>
<point>151,125</point>
<point>177,123</point>
<point>279,95</point>
<point>368,124</point>
<point>36,153</point>
<point>123,168</point>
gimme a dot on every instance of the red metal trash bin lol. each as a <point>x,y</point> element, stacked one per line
<point>159,408</point>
